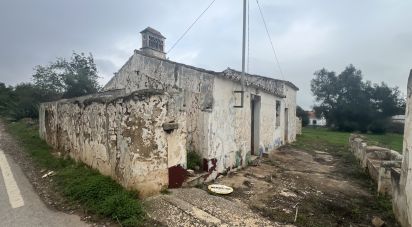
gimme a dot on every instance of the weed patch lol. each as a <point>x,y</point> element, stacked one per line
<point>392,141</point>
<point>193,160</point>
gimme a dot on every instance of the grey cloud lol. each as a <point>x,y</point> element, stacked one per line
<point>374,35</point>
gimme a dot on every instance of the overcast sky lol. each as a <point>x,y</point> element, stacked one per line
<point>373,35</point>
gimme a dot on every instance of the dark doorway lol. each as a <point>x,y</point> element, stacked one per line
<point>286,125</point>
<point>255,124</point>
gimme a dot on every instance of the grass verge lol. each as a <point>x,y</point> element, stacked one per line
<point>389,140</point>
<point>80,184</point>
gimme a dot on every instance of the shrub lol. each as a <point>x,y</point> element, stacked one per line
<point>379,126</point>
<point>348,126</point>
<point>396,127</point>
<point>193,160</point>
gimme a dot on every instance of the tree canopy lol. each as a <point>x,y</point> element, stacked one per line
<point>60,79</point>
<point>301,113</point>
<point>68,78</point>
<point>349,103</point>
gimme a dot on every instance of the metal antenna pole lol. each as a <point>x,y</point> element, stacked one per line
<point>242,80</point>
<point>242,76</point>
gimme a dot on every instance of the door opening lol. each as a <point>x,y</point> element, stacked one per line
<point>286,125</point>
<point>255,124</point>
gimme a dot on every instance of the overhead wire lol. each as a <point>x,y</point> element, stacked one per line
<point>188,28</point>
<point>270,39</point>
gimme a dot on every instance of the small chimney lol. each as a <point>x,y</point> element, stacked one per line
<point>153,43</point>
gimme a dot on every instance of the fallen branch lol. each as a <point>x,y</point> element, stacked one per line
<point>296,212</point>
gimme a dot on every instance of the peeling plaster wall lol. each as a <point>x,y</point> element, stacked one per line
<point>122,136</point>
<point>229,128</point>
<point>406,177</point>
<point>290,103</point>
<point>196,85</point>
<point>216,130</point>
<point>282,137</point>
<point>402,179</point>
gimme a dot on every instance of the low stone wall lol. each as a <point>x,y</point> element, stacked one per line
<point>378,161</point>
<point>131,137</point>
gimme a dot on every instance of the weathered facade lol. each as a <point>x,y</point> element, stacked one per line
<point>202,103</point>
<point>402,177</point>
<point>121,135</point>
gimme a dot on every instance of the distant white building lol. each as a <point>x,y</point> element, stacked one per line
<point>314,120</point>
<point>398,119</point>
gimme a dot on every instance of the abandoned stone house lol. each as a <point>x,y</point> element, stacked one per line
<point>139,128</point>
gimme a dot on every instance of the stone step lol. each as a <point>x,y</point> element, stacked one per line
<point>193,211</point>
<point>233,213</point>
<point>195,207</point>
<point>170,215</point>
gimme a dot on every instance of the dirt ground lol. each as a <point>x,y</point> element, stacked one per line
<point>316,185</point>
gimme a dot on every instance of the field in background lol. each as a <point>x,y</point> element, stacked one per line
<point>389,140</point>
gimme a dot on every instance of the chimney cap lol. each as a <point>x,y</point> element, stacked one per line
<point>153,31</point>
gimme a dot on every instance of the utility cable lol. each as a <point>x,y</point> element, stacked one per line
<point>188,28</point>
<point>270,39</point>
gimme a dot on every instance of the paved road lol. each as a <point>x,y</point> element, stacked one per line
<point>20,206</point>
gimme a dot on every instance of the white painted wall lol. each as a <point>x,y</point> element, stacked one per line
<point>290,103</point>
<point>229,128</point>
<point>220,133</point>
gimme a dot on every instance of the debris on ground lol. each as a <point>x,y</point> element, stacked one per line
<point>377,222</point>
<point>304,188</point>
<point>248,183</point>
<point>220,189</point>
<point>190,172</point>
<point>296,212</point>
<point>50,173</point>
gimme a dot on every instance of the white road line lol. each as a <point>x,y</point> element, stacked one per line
<point>15,198</point>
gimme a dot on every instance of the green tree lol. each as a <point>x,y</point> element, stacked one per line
<point>68,78</point>
<point>24,101</point>
<point>60,79</point>
<point>6,99</point>
<point>348,103</point>
<point>301,113</point>
<point>50,80</point>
